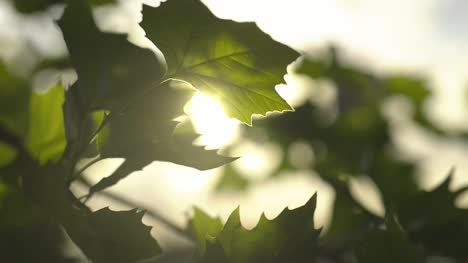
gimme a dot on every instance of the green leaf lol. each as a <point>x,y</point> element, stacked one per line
<point>390,245</point>
<point>231,181</point>
<point>203,228</point>
<point>214,253</point>
<point>180,150</point>
<point>349,219</point>
<point>110,69</point>
<point>433,218</point>
<point>15,210</point>
<point>30,6</point>
<point>46,138</point>
<point>107,236</point>
<point>122,235</point>
<point>104,236</point>
<point>313,68</point>
<point>129,166</point>
<point>140,141</point>
<point>132,127</point>
<point>236,63</point>
<point>26,233</point>
<point>413,88</point>
<point>79,126</point>
<point>417,91</point>
<point>290,237</point>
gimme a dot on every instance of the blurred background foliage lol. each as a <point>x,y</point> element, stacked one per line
<point>342,136</point>
<point>351,140</point>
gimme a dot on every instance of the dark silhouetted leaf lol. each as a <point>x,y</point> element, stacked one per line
<point>389,246</point>
<point>162,103</point>
<point>350,221</point>
<point>204,228</point>
<point>26,233</point>
<point>141,141</point>
<point>79,125</point>
<point>180,150</point>
<point>432,218</point>
<point>236,63</point>
<point>104,236</point>
<point>122,235</point>
<point>129,166</point>
<point>290,237</point>
<point>110,69</point>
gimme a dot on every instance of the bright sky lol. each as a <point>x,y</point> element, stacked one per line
<point>426,36</point>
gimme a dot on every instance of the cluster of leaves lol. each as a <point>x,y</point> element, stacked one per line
<point>356,143</point>
<point>124,104</point>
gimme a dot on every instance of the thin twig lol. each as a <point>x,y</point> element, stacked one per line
<point>101,126</point>
<point>81,171</point>
<point>126,105</point>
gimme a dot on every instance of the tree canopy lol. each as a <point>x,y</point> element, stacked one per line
<point>125,104</point>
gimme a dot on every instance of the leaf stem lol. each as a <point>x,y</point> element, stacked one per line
<point>80,171</point>
<point>101,126</point>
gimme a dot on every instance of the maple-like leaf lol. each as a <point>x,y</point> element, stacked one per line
<point>236,63</point>
<point>122,235</point>
<point>290,237</point>
<point>203,228</point>
<point>107,236</point>
<point>142,141</point>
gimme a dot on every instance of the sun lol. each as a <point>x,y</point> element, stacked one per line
<point>208,117</point>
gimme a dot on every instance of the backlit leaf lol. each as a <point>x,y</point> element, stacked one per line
<point>203,228</point>
<point>290,237</point>
<point>142,140</point>
<point>46,138</point>
<point>236,63</point>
